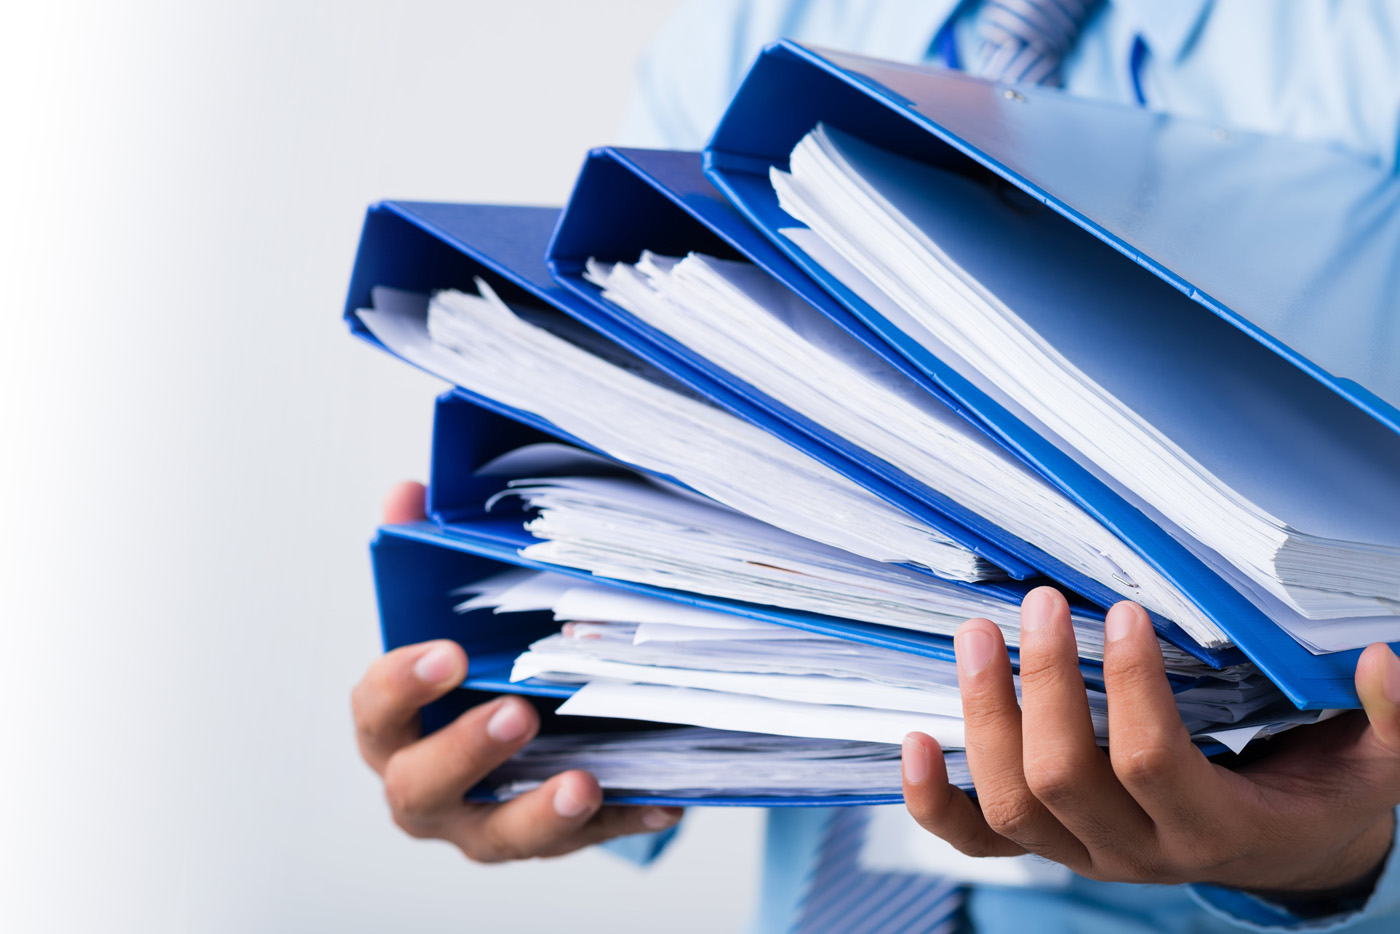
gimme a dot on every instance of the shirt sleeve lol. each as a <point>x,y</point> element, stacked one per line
<point>641,848</point>
<point>1379,912</point>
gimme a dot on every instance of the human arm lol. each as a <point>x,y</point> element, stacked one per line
<point>1311,818</point>
<point>425,778</point>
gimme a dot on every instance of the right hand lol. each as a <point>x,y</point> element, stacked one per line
<point>425,778</point>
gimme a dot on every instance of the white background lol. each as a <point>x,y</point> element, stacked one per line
<point>194,450</point>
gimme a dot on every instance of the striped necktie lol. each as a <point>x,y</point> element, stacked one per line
<point>842,898</point>
<point>1026,41</point>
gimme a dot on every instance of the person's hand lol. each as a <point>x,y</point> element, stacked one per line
<point>425,778</point>
<point>1312,817</point>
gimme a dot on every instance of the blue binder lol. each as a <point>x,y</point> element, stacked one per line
<point>466,436</point>
<point>626,201</point>
<point>415,569</point>
<point>423,247</point>
<point>1178,197</point>
<point>629,200</point>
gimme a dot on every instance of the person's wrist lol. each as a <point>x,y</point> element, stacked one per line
<point>1343,882</point>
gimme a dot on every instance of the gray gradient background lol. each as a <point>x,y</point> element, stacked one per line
<point>193,451</point>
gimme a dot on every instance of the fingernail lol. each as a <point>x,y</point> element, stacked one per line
<point>1390,683</point>
<point>1120,622</point>
<point>566,803</point>
<point>915,760</point>
<point>974,650</point>
<point>436,666</point>
<point>659,818</point>
<point>1036,609</point>
<point>509,724</point>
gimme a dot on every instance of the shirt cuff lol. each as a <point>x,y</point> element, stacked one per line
<point>641,848</point>
<point>1251,913</point>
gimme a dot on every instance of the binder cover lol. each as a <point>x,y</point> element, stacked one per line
<point>629,200</point>
<point>1307,276</point>
<point>415,570</point>
<point>467,436</point>
<point>425,246</point>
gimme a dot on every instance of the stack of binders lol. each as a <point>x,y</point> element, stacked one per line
<point>740,437</point>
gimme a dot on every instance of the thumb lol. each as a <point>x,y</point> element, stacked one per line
<point>1378,685</point>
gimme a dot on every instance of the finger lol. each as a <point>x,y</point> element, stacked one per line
<point>562,815</point>
<point>943,809</point>
<point>992,720</point>
<point>1065,769</point>
<point>1378,685</point>
<point>1149,746</point>
<point>425,781</point>
<point>386,701</point>
<point>405,502</point>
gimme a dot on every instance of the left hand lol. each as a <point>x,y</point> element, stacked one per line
<point>1312,816</point>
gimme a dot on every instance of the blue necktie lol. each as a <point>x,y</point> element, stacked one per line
<point>1026,41</point>
<point>1023,42</point>
<point>842,898</point>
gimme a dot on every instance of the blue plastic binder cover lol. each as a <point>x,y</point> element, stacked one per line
<point>415,570</point>
<point>1309,273</point>
<point>424,247</point>
<point>467,436</point>
<point>628,200</point>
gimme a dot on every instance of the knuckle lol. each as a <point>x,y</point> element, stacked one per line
<point>1145,765</point>
<point>1134,672</point>
<point>988,723</point>
<point>1039,674</point>
<point>493,846</point>
<point>362,708</point>
<point>405,794</point>
<point>1011,816</point>
<point>358,702</point>
<point>1054,779</point>
<point>412,827</point>
<point>371,698</point>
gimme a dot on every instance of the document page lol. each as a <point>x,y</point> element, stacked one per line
<point>1251,459</point>
<point>481,344</point>
<point>744,321</point>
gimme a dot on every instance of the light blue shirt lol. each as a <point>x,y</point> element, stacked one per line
<point>1308,68</point>
<point>1312,69</point>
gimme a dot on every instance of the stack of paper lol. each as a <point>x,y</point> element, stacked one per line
<point>617,403</point>
<point>1187,417</point>
<point>723,672</point>
<point>740,318</point>
<point>629,528</point>
<point>693,762</point>
<point>859,390</point>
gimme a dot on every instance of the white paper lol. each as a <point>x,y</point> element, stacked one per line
<point>666,632</point>
<point>597,601</point>
<point>638,417</point>
<point>1243,456</point>
<point>815,690</point>
<point>697,762</point>
<point>757,714</point>
<point>628,530</point>
<point>744,321</point>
